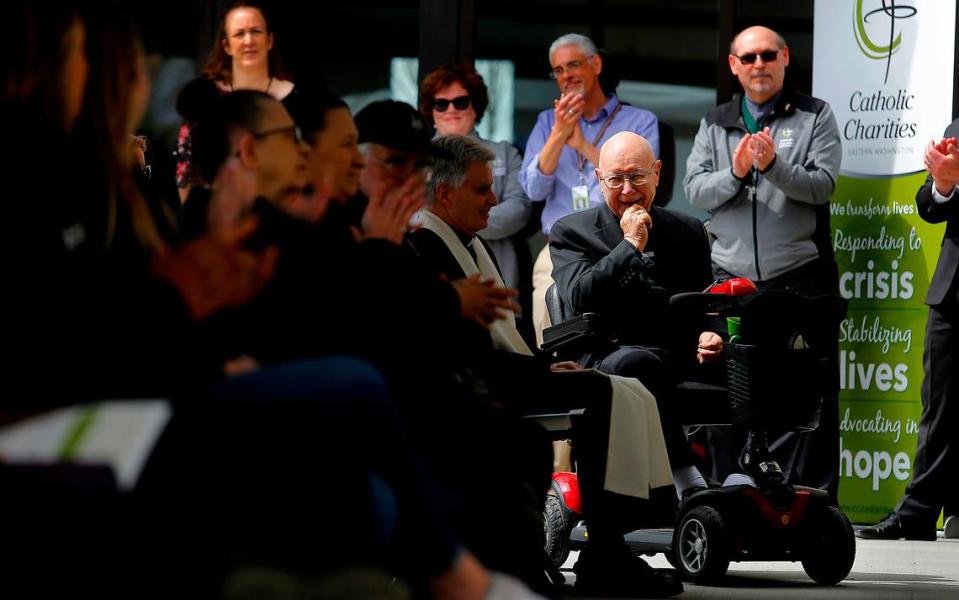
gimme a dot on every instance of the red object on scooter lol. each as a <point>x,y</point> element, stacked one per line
<point>569,486</point>
<point>737,286</point>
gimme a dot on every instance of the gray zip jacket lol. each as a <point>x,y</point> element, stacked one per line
<point>787,225</point>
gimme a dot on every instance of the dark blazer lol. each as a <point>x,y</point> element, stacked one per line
<point>515,379</point>
<point>933,212</point>
<point>595,270</point>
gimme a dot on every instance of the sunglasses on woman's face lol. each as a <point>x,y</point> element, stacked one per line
<point>459,102</point>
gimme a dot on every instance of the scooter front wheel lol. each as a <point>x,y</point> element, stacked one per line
<point>701,545</point>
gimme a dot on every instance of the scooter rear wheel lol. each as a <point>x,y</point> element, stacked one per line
<point>557,531</point>
<point>832,548</point>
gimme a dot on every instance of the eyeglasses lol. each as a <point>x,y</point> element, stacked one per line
<point>459,103</point>
<point>636,179</point>
<point>292,130</point>
<point>573,65</point>
<point>768,56</point>
<point>401,165</point>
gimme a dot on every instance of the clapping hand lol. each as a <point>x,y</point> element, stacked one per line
<point>483,301</point>
<point>215,272</point>
<point>568,109</point>
<point>764,149</point>
<point>388,214</point>
<point>942,161</point>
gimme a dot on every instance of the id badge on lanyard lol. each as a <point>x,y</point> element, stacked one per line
<point>580,192</point>
<point>580,195</point>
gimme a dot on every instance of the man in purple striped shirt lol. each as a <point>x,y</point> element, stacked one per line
<point>563,148</point>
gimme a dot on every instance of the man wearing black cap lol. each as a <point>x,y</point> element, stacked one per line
<point>395,141</point>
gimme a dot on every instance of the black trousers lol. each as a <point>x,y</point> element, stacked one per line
<point>528,386</point>
<point>652,367</point>
<point>275,467</point>
<point>492,467</point>
<point>936,463</point>
<point>303,467</point>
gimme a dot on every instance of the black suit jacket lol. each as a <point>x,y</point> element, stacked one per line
<point>595,270</point>
<point>933,212</point>
<point>515,379</point>
<point>431,248</point>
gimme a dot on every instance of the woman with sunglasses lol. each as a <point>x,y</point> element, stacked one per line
<point>242,59</point>
<point>454,98</point>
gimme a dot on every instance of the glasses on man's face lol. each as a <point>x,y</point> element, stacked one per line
<point>573,65</point>
<point>459,103</point>
<point>400,165</point>
<point>292,130</point>
<point>768,56</point>
<point>638,178</point>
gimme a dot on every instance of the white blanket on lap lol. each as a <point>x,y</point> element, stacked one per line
<point>636,460</point>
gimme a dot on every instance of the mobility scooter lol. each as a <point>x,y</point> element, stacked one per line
<point>777,369</point>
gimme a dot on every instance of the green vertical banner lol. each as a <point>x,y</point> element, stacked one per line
<point>885,67</point>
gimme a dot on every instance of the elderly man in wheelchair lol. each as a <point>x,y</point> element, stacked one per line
<point>613,262</point>
<point>628,300</point>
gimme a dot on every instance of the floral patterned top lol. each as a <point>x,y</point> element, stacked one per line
<point>184,157</point>
<point>184,150</point>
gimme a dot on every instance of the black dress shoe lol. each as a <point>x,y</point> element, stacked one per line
<point>620,574</point>
<point>687,494</point>
<point>891,528</point>
<point>757,461</point>
<point>691,491</point>
<point>950,529</point>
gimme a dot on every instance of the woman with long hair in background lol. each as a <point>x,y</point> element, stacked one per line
<point>243,58</point>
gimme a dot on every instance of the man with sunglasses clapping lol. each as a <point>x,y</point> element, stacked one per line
<point>764,166</point>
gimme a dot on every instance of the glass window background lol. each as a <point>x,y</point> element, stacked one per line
<point>667,54</point>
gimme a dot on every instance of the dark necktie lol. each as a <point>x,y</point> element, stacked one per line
<point>472,252</point>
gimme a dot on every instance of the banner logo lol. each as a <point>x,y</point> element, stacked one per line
<point>870,48</point>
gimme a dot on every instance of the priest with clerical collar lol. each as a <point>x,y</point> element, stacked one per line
<point>460,196</point>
